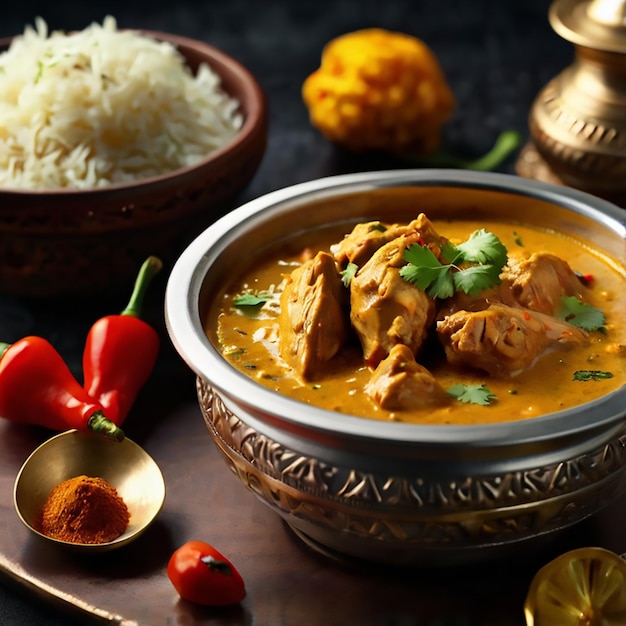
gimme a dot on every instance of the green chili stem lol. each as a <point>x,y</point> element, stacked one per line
<point>99,423</point>
<point>3,348</point>
<point>150,268</point>
<point>506,143</point>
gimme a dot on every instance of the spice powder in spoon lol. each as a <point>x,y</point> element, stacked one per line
<point>86,510</point>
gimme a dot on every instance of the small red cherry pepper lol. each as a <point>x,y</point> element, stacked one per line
<point>121,351</point>
<point>202,575</point>
<point>37,387</point>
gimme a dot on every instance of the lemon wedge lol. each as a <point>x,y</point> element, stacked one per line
<point>583,587</point>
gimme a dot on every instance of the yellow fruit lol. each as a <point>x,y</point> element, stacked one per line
<point>584,587</point>
<point>379,90</point>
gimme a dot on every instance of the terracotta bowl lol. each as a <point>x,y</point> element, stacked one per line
<point>61,242</point>
<point>394,492</point>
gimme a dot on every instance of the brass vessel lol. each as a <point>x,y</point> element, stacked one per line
<point>125,465</point>
<point>578,120</point>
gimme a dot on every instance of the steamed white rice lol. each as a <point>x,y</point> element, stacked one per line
<point>104,106</point>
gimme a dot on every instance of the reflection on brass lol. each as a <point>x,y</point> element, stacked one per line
<point>578,120</point>
<point>376,516</point>
<point>125,465</point>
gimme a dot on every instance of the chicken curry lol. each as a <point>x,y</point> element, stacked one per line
<point>443,322</point>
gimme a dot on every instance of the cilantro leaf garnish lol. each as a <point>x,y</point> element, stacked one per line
<point>450,253</point>
<point>426,272</point>
<point>377,226</point>
<point>585,375</point>
<point>247,300</point>
<point>472,394</point>
<point>442,287</point>
<point>483,247</point>
<point>581,314</point>
<point>471,266</point>
<point>475,278</point>
<point>348,274</point>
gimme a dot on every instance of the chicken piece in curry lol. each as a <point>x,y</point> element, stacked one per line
<point>437,323</point>
<point>312,321</point>
<point>385,309</point>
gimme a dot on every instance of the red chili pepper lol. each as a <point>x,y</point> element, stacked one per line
<point>202,575</point>
<point>121,351</point>
<point>37,387</point>
<point>585,279</point>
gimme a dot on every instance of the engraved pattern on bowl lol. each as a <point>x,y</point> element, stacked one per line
<point>402,519</point>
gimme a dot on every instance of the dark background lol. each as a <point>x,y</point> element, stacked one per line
<point>496,55</point>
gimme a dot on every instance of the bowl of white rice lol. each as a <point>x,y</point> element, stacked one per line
<point>115,145</point>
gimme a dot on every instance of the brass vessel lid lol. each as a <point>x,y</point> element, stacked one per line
<point>597,24</point>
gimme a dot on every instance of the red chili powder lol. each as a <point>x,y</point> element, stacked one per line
<point>84,510</point>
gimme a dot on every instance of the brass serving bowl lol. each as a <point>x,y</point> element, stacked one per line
<point>57,242</point>
<point>124,465</point>
<point>395,492</point>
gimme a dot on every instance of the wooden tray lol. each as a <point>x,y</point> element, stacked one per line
<point>288,583</point>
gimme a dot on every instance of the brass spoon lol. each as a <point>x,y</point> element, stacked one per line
<point>125,465</point>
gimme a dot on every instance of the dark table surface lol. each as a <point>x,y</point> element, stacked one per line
<point>495,54</point>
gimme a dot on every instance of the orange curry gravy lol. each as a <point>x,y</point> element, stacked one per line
<point>246,341</point>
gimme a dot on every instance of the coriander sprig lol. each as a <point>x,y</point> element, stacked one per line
<point>348,274</point>
<point>471,266</point>
<point>586,375</point>
<point>251,299</point>
<point>472,394</point>
<point>581,314</point>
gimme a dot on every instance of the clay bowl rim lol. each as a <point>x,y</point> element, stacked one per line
<point>252,103</point>
<point>256,404</point>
